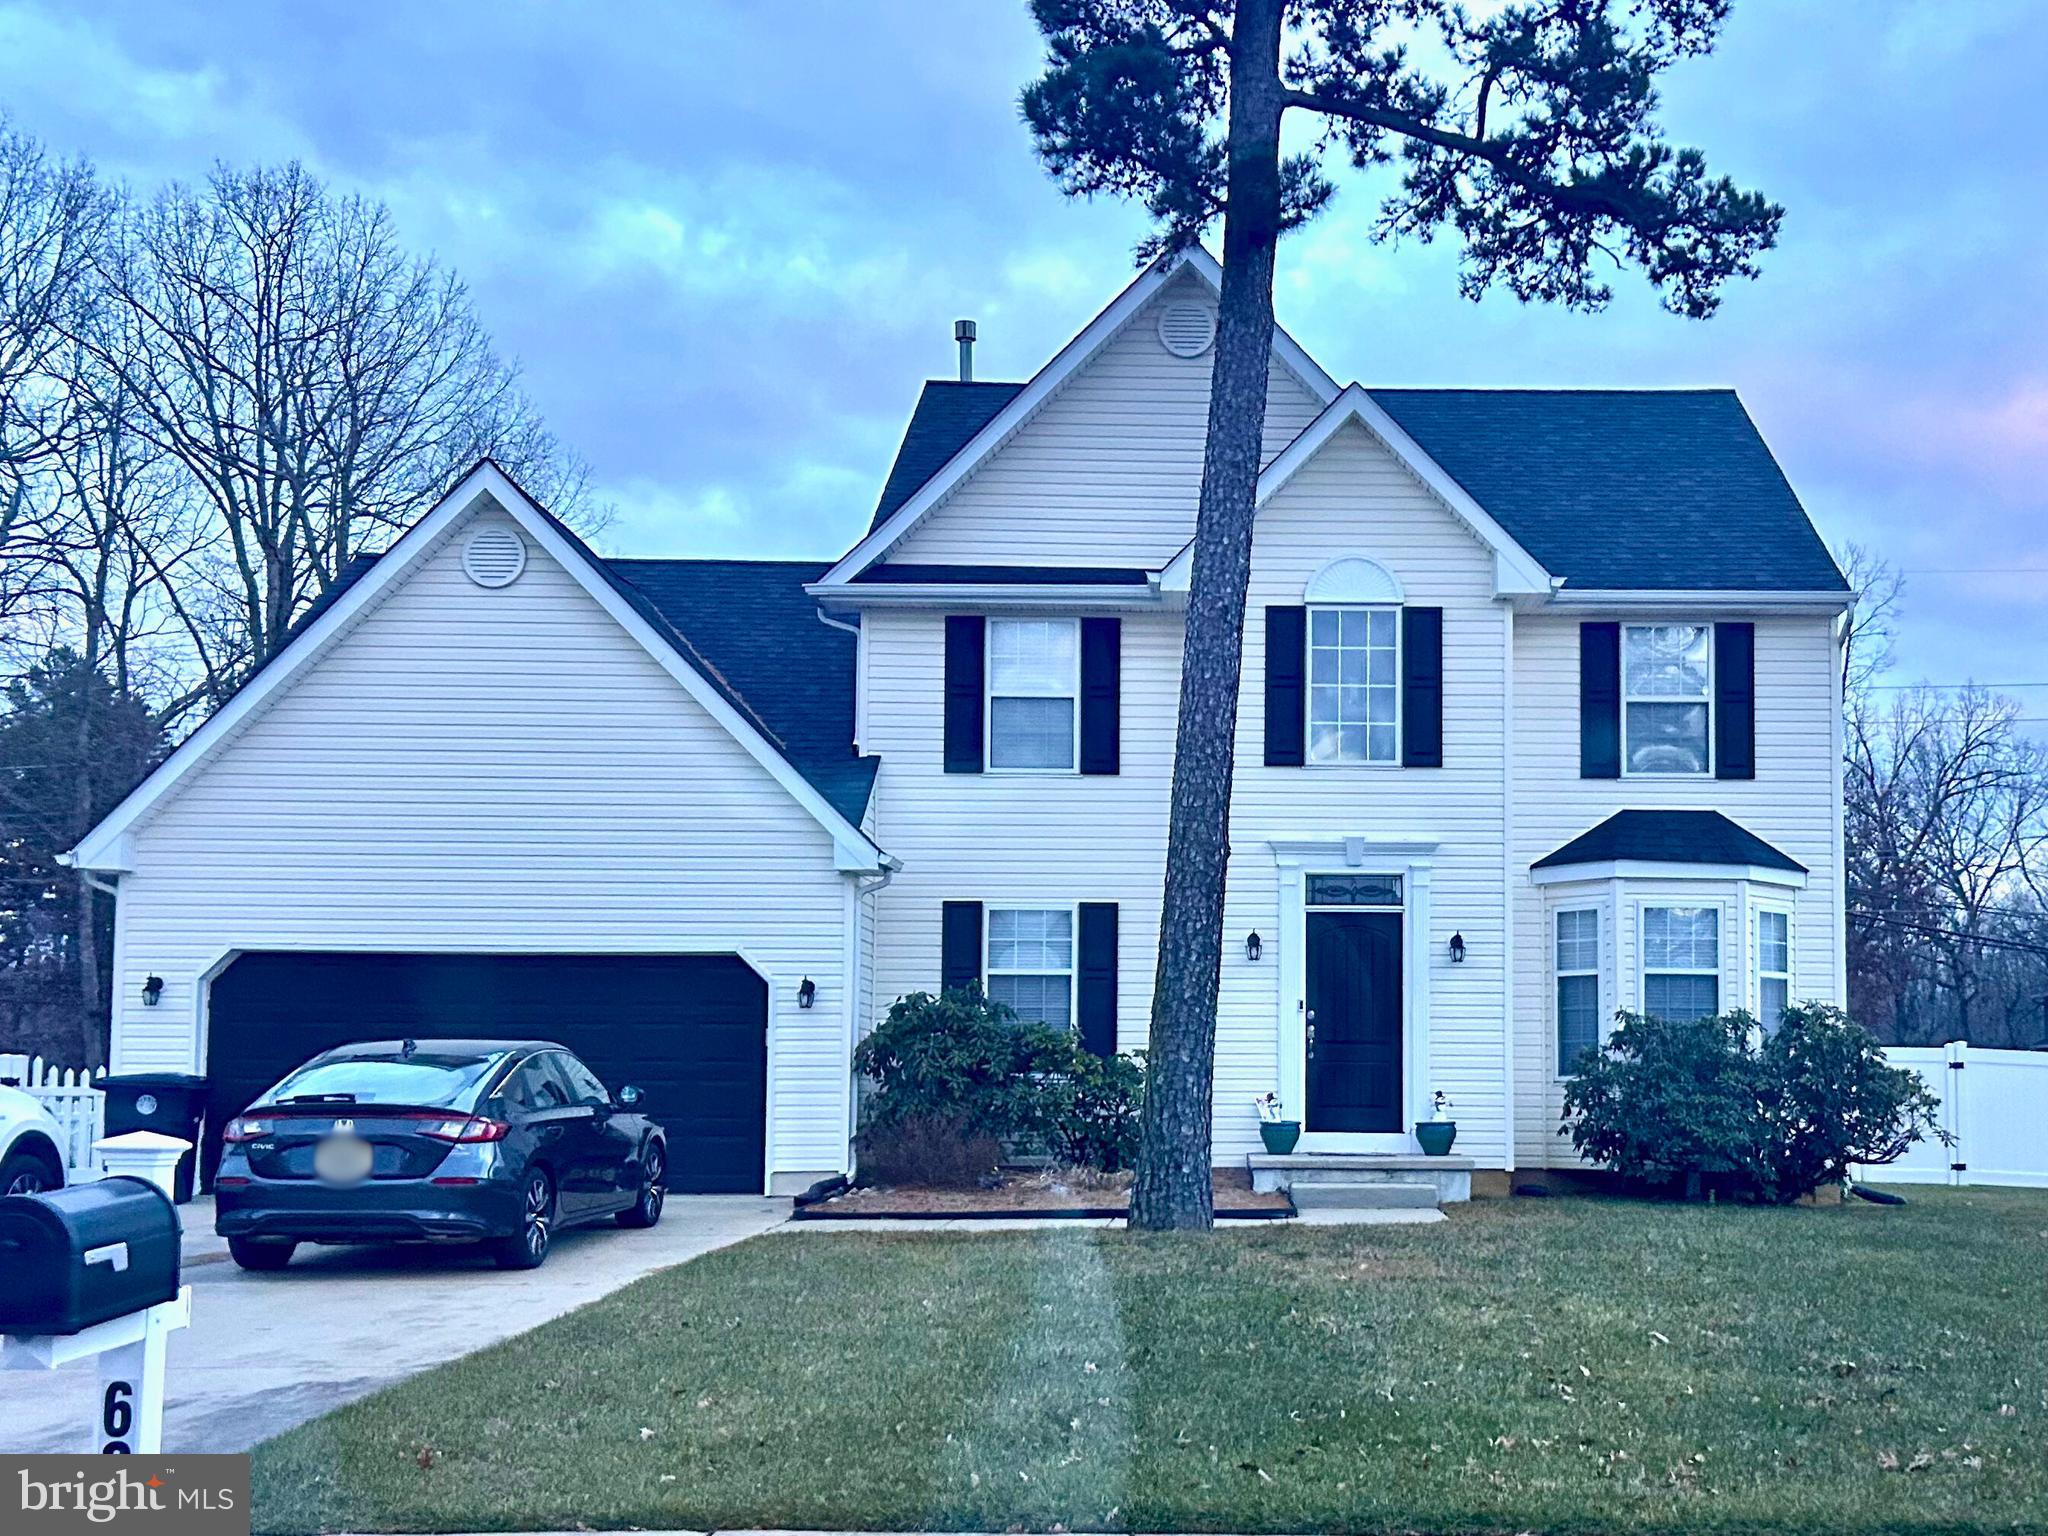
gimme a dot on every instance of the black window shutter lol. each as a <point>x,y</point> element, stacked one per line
<point>1422,687</point>
<point>966,639</point>
<point>1286,686</point>
<point>1599,701</point>
<point>1101,694</point>
<point>1734,701</point>
<point>959,944</point>
<point>1096,1010</point>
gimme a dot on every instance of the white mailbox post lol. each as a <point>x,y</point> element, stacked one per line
<point>131,1347</point>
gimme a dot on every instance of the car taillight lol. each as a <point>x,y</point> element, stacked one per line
<point>472,1129</point>
<point>242,1128</point>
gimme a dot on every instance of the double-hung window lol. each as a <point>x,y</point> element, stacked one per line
<point>1354,692</point>
<point>1667,692</point>
<point>1034,681</point>
<point>1681,962</point>
<point>1578,986</point>
<point>1773,967</point>
<point>1030,965</point>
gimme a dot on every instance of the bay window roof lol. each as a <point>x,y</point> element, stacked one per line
<point>1670,837</point>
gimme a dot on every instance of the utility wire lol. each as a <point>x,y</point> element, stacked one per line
<point>1928,930</point>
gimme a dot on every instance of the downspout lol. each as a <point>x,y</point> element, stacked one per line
<point>863,887</point>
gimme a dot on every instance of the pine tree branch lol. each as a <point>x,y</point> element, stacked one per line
<point>1497,153</point>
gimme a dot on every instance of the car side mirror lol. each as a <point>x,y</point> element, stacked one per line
<point>629,1096</point>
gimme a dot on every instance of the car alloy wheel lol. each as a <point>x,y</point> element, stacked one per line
<point>645,1210</point>
<point>534,1229</point>
<point>28,1181</point>
<point>653,1188</point>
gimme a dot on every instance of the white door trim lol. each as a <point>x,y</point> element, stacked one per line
<point>1415,863</point>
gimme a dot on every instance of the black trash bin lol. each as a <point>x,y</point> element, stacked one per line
<point>169,1103</point>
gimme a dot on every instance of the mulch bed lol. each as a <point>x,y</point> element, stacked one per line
<point>1030,1194</point>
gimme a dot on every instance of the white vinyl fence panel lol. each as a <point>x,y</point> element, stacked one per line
<point>1995,1105</point>
<point>79,1108</point>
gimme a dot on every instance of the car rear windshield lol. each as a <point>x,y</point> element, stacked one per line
<point>431,1078</point>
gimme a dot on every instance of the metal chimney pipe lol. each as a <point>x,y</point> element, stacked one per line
<point>963,332</point>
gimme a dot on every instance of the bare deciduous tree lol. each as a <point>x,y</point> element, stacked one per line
<point>51,217</point>
<point>317,385</point>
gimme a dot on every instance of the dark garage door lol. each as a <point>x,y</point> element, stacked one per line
<point>690,1031</point>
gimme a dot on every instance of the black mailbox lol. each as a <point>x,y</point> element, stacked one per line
<point>80,1255</point>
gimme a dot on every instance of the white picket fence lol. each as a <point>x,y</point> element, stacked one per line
<point>79,1109</point>
<point>1995,1105</point>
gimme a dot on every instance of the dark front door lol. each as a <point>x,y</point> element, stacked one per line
<point>1354,1021</point>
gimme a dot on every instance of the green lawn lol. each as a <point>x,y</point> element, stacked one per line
<point>1562,1365</point>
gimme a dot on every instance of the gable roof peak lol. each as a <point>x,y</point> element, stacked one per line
<point>110,841</point>
<point>937,467</point>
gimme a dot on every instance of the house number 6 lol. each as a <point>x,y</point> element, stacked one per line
<point>117,1417</point>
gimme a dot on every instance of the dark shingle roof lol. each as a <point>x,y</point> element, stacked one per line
<point>1670,837</point>
<point>948,415</point>
<point>1625,488</point>
<point>752,622</point>
<point>1635,489</point>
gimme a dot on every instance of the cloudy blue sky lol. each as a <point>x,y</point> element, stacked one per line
<point>726,241</point>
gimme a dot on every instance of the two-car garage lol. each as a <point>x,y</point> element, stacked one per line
<point>690,1031</point>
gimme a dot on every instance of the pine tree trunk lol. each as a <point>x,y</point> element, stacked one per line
<point>1173,1189</point>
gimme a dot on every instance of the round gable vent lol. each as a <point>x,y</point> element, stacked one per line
<point>1187,330</point>
<point>494,557</point>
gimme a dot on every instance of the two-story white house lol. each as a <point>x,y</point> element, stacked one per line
<point>1540,720</point>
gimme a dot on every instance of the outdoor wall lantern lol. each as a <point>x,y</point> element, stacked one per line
<point>1457,949</point>
<point>152,991</point>
<point>1252,946</point>
<point>806,993</point>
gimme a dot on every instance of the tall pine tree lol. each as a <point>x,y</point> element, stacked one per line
<point>1528,129</point>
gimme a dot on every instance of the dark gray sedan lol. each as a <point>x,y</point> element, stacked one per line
<point>500,1141</point>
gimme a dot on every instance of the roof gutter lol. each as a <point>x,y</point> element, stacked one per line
<point>942,596</point>
<point>1659,600</point>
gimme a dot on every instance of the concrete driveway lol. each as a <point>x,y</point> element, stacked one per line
<point>266,1352</point>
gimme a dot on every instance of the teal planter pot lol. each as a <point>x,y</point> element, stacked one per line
<point>1279,1135</point>
<point>1436,1136</point>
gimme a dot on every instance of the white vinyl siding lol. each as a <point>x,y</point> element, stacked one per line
<point>1681,956</point>
<point>494,771</point>
<point>1791,804</point>
<point>1029,965</point>
<point>1028,840</point>
<point>1108,471</point>
<point>1034,694</point>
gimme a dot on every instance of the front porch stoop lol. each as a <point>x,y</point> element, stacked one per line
<point>1364,1180</point>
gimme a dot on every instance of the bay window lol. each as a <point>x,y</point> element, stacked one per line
<point>1681,962</point>
<point>1578,987</point>
<point>1773,967</point>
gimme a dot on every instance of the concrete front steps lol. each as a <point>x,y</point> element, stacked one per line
<point>1364,1180</point>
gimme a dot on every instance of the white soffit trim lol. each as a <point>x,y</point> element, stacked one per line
<point>1093,337</point>
<point>110,841</point>
<point>1515,571</point>
<point>1650,869</point>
